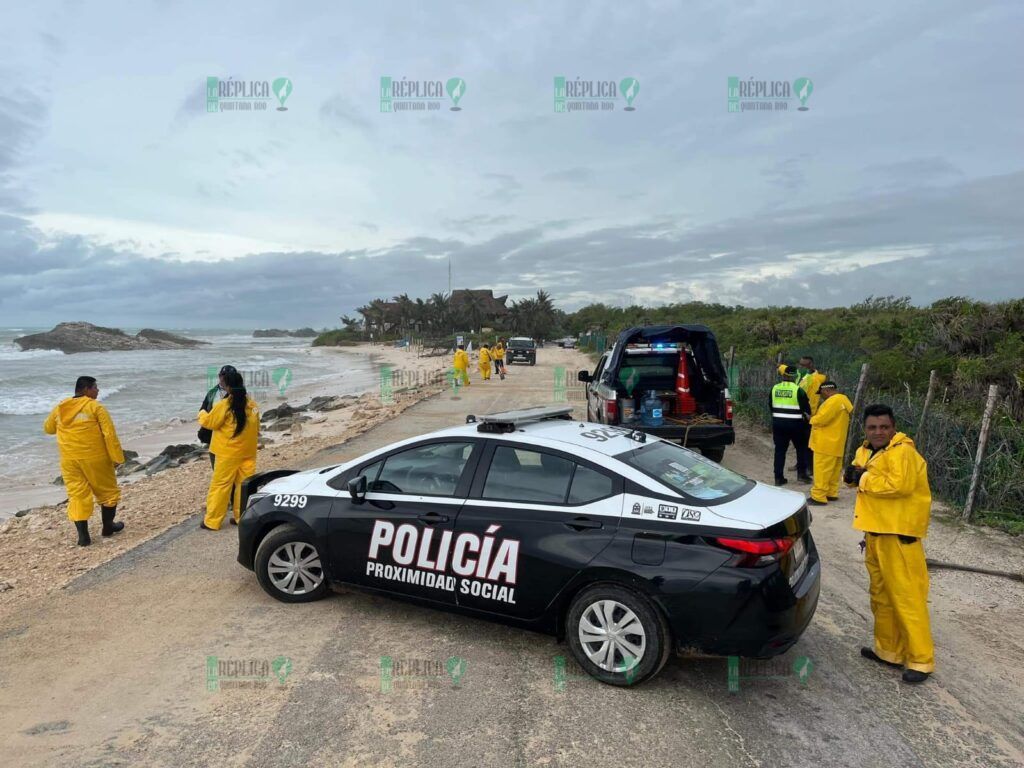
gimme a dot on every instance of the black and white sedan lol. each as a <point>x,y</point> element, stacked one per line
<point>627,546</point>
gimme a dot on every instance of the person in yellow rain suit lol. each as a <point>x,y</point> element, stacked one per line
<point>461,365</point>
<point>89,449</point>
<point>893,509</point>
<point>829,427</point>
<point>498,356</point>
<point>235,423</point>
<point>485,362</point>
<point>810,381</point>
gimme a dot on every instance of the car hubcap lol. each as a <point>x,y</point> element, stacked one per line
<point>612,636</point>
<point>295,568</point>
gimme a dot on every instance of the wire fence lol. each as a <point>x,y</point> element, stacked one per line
<point>948,438</point>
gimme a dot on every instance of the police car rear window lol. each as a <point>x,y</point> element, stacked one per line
<point>684,471</point>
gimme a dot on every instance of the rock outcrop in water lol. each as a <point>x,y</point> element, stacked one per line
<point>86,337</point>
<point>274,333</point>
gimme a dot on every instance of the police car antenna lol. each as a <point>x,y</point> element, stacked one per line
<point>507,421</point>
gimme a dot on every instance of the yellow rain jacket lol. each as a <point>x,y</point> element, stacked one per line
<point>485,357</point>
<point>830,425</point>
<point>497,352</point>
<point>811,384</point>
<point>461,361</point>
<point>84,430</point>
<point>893,495</point>
<point>222,423</point>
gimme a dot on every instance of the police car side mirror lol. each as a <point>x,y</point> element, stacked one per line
<point>583,376</point>
<point>357,489</point>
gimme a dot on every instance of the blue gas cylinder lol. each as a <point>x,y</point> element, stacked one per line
<point>651,410</point>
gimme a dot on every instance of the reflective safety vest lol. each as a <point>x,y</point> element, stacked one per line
<point>785,401</point>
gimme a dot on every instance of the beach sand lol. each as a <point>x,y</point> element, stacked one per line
<point>38,551</point>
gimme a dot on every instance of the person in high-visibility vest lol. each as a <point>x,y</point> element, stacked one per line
<point>829,427</point>
<point>790,412</point>
<point>893,509</point>
<point>485,362</point>
<point>461,365</point>
<point>89,449</point>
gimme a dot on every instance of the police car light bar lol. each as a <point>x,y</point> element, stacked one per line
<point>507,421</point>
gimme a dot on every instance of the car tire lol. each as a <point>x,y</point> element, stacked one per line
<point>715,454</point>
<point>646,631</point>
<point>283,546</point>
<point>533,362</point>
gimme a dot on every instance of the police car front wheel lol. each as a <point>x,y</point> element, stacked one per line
<point>288,566</point>
<point>617,635</point>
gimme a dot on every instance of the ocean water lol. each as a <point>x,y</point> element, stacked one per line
<point>149,392</point>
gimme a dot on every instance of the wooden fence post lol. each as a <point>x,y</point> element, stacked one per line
<point>986,426</point>
<point>855,420</point>
<point>933,380</point>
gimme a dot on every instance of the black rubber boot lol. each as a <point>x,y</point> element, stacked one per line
<point>869,653</point>
<point>82,526</point>
<point>109,526</point>
<point>913,676</point>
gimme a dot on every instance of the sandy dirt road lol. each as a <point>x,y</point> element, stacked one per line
<point>112,670</point>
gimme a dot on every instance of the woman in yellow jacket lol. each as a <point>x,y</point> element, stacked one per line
<point>235,423</point>
<point>89,449</point>
<point>498,356</point>
<point>485,362</point>
<point>893,509</point>
<point>829,427</point>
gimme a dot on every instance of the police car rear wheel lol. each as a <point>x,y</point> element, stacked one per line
<point>616,635</point>
<point>288,566</point>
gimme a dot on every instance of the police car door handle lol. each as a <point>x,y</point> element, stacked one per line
<point>433,517</point>
<point>581,523</point>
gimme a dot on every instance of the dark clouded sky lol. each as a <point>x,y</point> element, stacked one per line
<point>125,202</point>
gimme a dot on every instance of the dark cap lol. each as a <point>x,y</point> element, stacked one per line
<point>225,370</point>
<point>827,384</point>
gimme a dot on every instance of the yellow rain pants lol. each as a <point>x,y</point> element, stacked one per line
<point>225,485</point>
<point>899,601</point>
<point>85,479</point>
<point>828,471</point>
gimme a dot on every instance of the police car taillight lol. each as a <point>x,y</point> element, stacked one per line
<point>728,406</point>
<point>755,552</point>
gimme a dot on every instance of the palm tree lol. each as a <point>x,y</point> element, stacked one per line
<point>440,312</point>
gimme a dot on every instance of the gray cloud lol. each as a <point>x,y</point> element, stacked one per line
<point>965,238</point>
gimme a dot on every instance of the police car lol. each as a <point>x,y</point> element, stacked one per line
<point>627,546</point>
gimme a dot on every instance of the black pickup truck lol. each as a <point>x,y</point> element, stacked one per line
<point>682,365</point>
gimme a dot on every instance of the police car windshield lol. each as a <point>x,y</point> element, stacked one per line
<point>684,471</point>
<point>520,343</point>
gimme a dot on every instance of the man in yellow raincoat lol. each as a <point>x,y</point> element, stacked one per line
<point>829,427</point>
<point>485,362</point>
<point>235,423</point>
<point>498,356</point>
<point>89,449</point>
<point>893,509</point>
<point>810,381</point>
<point>461,365</point>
